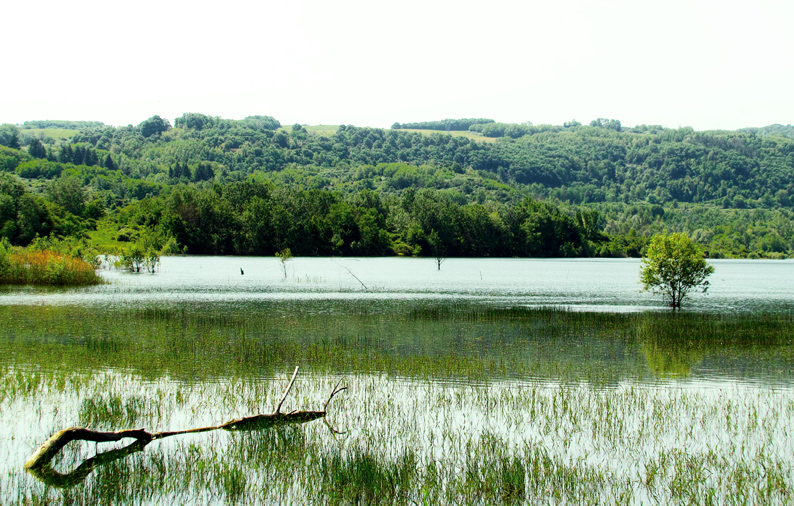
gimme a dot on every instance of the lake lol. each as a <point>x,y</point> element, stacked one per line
<point>582,284</point>
<point>488,381</point>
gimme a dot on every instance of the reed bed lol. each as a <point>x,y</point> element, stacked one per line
<point>44,267</point>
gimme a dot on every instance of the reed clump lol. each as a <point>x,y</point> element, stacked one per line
<point>44,267</point>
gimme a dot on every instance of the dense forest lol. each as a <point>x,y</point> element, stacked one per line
<point>254,186</point>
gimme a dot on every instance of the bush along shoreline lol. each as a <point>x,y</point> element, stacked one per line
<point>30,266</point>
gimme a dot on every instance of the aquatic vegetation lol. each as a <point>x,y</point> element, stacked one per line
<point>44,267</point>
<point>438,443</point>
<point>446,404</point>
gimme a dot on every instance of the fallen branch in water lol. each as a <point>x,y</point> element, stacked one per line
<point>39,463</point>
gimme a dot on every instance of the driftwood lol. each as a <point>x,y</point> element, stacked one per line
<point>39,463</point>
<point>53,478</point>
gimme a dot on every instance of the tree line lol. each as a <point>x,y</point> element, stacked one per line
<point>253,218</point>
<point>64,124</point>
<point>444,124</point>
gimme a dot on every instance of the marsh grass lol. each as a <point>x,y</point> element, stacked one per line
<point>445,405</point>
<point>44,267</point>
<point>494,444</point>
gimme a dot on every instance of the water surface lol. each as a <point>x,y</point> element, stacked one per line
<point>583,284</point>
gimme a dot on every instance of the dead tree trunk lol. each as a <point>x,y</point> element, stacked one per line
<point>39,463</point>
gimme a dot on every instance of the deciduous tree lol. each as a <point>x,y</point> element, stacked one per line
<point>673,266</point>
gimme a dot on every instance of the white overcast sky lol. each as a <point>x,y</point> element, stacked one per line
<point>706,64</point>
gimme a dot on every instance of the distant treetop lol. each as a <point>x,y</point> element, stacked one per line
<point>444,124</point>
<point>154,125</point>
<point>776,130</point>
<point>196,121</point>
<point>262,122</point>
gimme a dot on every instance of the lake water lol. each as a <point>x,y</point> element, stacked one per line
<point>440,367</point>
<point>580,284</point>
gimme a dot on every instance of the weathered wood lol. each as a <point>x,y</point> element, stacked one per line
<point>258,422</point>
<point>39,463</point>
<point>46,474</point>
<point>335,391</point>
<point>57,441</point>
<point>283,397</point>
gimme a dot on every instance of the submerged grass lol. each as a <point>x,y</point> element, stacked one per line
<point>453,344</point>
<point>445,405</point>
<point>494,444</point>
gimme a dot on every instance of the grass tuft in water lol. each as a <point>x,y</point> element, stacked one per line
<point>44,267</point>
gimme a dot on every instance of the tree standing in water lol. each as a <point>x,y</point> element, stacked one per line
<point>283,256</point>
<point>672,266</point>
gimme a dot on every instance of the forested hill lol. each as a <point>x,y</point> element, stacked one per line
<point>640,179</point>
<point>578,164</point>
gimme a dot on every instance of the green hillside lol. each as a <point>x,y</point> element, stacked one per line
<point>731,190</point>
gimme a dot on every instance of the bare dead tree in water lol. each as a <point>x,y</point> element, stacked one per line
<point>39,463</point>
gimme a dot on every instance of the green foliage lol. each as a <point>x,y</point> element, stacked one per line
<point>194,121</point>
<point>262,122</point>
<point>67,192</point>
<point>612,124</point>
<point>576,164</point>
<point>673,266</point>
<point>9,136</point>
<point>731,191</point>
<point>284,256</point>
<point>445,124</point>
<point>23,216</point>
<point>512,130</point>
<point>255,218</point>
<point>776,130</point>
<point>723,233</point>
<point>141,255</point>
<point>11,158</point>
<point>154,125</point>
<point>66,125</point>
<point>36,149</point>
<point>70,246</point>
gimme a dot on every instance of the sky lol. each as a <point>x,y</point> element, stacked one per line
<point>705,64</point>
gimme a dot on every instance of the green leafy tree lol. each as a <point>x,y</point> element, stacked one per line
<point>262,122</point>
<point>90,158</point>
<point>203,172</point>
<point>673,266</point>
<point>67,192</point>
<point>154,125</point>
<point>439,248</point>
<point>284,256</point>
<point>194,121</point>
